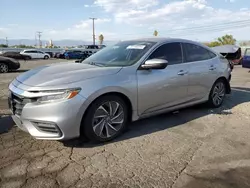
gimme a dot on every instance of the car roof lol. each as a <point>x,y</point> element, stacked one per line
<point>29,50</point>
<point>164,39</point>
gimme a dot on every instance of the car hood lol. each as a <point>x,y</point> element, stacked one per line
<point>65,73</point>
<point>3,58</point>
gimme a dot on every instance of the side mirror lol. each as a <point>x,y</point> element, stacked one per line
<point>155,64</point>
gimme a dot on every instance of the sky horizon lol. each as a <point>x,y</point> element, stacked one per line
<point>120,20</point>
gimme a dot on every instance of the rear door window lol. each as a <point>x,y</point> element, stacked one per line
<point>196,53</point>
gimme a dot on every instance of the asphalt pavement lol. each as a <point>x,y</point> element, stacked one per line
<point>194,148</point>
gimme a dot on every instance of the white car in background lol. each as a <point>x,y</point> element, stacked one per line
<point>36,54</point>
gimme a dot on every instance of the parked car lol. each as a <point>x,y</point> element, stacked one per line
<point>246,58</point>
<point>50,53</point>
<point>128,81</point>
<point>231,52</point>
<point>91,46</point>
<point>60,55</point>
<point>74,55</point>
<point>35,54</point>
<point>16,55</point>
<point>101,46</point>
<point>7,64</point>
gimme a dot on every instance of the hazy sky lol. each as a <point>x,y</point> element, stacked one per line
<point>124,19</point>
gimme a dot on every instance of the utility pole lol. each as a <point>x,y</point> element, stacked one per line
<point>35,41</point>
<point>6,41</point>
<point>93,19</point>
<point>39,37</point>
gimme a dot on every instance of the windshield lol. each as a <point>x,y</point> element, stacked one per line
<point>121,54</point>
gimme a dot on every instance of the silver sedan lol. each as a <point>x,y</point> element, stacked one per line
<point>96,98</point>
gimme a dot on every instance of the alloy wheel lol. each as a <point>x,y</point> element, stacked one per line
<point>4,68</point>
<point>108,119</point>
<point>218,93</point>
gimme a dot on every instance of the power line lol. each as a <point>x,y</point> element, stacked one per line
<point>218,27</point>
<point>93,19</point>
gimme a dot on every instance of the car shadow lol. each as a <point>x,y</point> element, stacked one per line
<point>6,123</point>
<point>230,177</point>
<point>19,71</point>
<point>168,120</point>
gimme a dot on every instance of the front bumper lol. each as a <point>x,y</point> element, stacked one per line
<point>15,66</point>
<point>50,121</point>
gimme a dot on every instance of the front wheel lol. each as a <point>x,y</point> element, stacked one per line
<point>217,94</point>
<point>106,118</point>
<point>46,57</point>
<point>4,68</point>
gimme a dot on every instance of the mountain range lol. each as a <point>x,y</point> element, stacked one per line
<point>62,43</point>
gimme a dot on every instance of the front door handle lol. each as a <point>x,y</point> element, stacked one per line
<point>182,72</point>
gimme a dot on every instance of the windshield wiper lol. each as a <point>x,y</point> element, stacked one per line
<point>96,64</point>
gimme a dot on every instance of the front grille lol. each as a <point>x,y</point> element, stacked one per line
<point>17,103</point>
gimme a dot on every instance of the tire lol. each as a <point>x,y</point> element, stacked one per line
<point>217,94</point>
<point>4,68</point>
<point>46,57</point>
<point>109,126</point>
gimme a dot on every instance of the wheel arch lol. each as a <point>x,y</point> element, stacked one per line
<point>226,82</point>
<point>6,63</point>
<point>123,96</point>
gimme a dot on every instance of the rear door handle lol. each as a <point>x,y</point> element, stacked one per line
<point>212,67</point>
<point>182,72</point>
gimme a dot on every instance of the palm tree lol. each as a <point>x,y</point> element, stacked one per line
<point>155,33</point>
<point>101,38</point>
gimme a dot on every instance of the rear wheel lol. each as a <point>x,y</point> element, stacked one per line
<point>217,94</point>
<point>106,119</point>
<point>28,58</point>
<point>4,68</point>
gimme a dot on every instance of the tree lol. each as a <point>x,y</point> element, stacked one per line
<point>155,33</point>
<point>227,39</point>
<point>101,38</point>
<point>3,46</point>
<point>244,43</point>
<point>23,46</point>
<point>214,43</point>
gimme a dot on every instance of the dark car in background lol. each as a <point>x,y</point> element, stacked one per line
<point>60,54</point>
<point>16,55</point>
<point>7,64</point>
<point>77,54</point>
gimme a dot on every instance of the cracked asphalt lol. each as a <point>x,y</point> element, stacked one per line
<point>194,148</point>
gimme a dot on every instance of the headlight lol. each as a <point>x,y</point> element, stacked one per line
<point>58,95</point>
